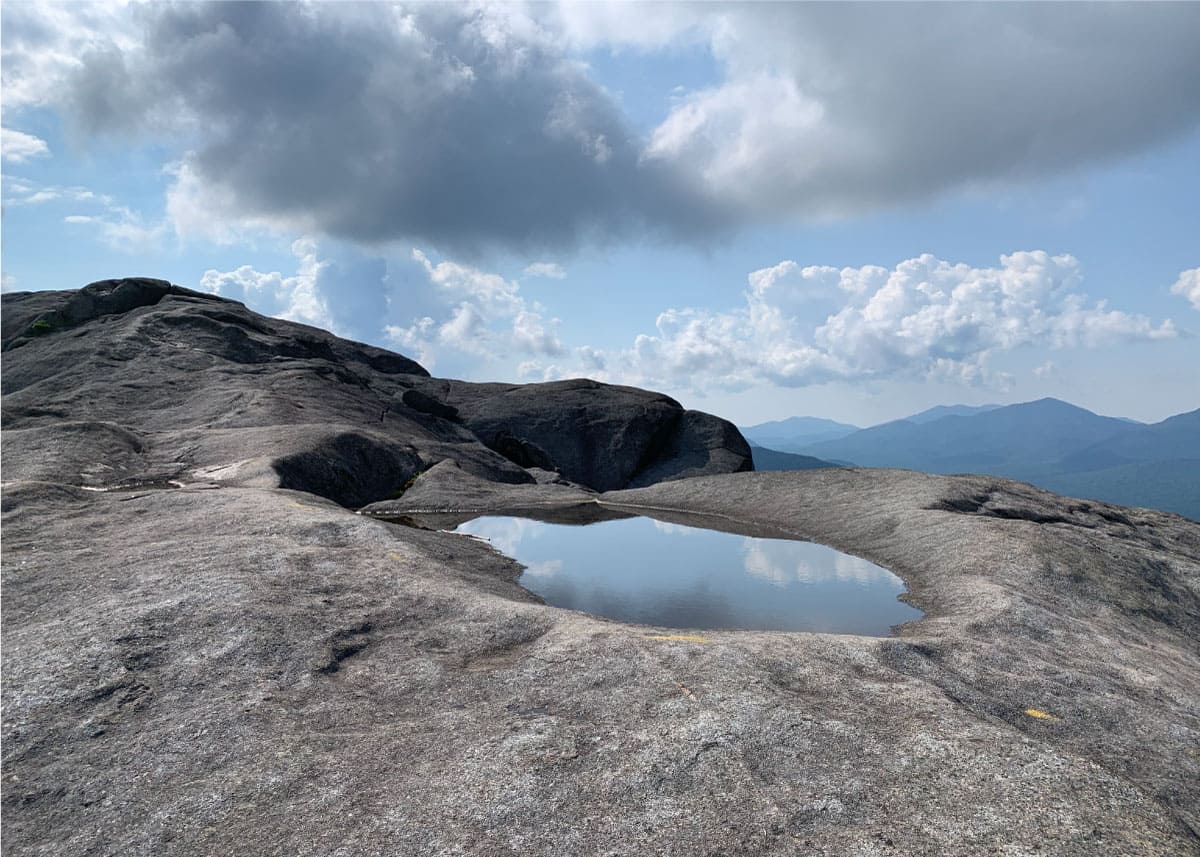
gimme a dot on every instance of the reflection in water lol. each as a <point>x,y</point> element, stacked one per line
<point>657,573</point>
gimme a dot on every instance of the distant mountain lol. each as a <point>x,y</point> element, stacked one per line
<point>792,433</point>
<point>936,413</point>
<point>1172,484</point>
<point>1022,441</point>
<point>1174,437</point>
<point>773,459</point>
<point>1050,443</point>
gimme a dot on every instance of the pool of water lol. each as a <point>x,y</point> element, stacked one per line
<point>656,573</point>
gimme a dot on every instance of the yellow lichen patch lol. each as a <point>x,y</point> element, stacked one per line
<point>300,505</point>
<point>395,556</point>
<point>683,638</point>
<point>1039,714</point>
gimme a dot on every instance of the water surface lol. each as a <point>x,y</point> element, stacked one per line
<point>656,573</point>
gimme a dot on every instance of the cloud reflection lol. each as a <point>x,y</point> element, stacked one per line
<point>505,534</point>
<point>783,563</point>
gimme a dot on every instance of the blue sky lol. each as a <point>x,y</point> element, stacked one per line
<point>764,210</point>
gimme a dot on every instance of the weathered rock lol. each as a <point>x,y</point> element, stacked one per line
<point>700,444</point>
<point>598,435</point>
<point>182,384</point>
<point>241,670</point>
<point>231,667</point>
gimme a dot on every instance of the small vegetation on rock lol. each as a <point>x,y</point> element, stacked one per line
<point>40,327</point>
<point>399,492</point>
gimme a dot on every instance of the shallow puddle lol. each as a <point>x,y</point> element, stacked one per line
<point>656,573</point>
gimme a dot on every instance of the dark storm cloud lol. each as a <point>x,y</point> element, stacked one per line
<point>370,124</point>
<point>464,126</point>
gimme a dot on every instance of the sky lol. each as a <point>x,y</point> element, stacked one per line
<point>764,210</point>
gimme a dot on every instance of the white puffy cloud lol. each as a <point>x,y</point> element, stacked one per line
<point>295,298</point>
<point>534,335</point>
<point>478,313</point>
<point>17,147</point>
<point>924,318</point>
<point>1188,285</point>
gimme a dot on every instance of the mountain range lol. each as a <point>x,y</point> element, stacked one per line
<point>1050,443</point>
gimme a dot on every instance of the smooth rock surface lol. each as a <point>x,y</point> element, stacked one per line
<point>231,667</point>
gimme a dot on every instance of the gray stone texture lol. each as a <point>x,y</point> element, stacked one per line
<point>233,667</point>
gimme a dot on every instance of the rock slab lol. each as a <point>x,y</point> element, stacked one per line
<point>199,661</point>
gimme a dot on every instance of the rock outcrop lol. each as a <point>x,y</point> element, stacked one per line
<point>138,380</point>
<point>216,660</point>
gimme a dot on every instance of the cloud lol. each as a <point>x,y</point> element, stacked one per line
<point>925,318</point>
<point>118,226</point>
<point>18,147</point>
<point>548,270</point>
<point>829,110</point>
<point>800,325</point>
<point>121,228</point>
<point>460,126</point>
<point>295,298</point>
<point>469,127</point>
<point>8,283</point>
<point>19,191</point>
<point>1046,370</point>
<point>42,43</point>
<point>481,314</point>
<point>1188,285</point>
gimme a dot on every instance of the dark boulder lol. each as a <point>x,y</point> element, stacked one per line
<point>599,435</point>
<point>138,379</point>
<point>700,444</point>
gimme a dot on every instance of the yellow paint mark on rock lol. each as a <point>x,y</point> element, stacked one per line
<point>683,638</point>
<point>1041,715</point>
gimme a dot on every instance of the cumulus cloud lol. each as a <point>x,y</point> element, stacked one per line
<point>466,127</point>
<point>17,147</point>
<point>42,43</point>
<point>832,109</point>
<point>461,126</point>
<point>295,298</point>
<point>799,325</point>
<point>1188,285</point>
<point>924,318</point>
<point>480,313</point>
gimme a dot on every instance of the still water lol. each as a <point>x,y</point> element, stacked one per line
<point>656,573</point>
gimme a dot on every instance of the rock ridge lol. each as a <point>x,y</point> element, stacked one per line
<point>137,379</point>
